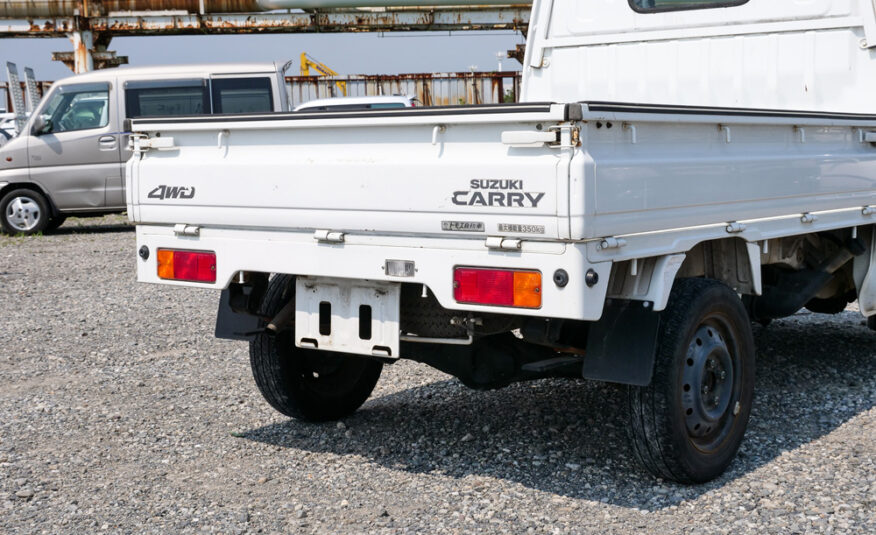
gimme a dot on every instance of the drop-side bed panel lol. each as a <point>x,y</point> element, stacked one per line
<point>646,168</point>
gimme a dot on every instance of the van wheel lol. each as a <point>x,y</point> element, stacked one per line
<point>23,211</point>
<point>307,384</point>
<point>687,425</point>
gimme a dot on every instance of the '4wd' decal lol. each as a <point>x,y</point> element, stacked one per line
<point>172,192</point>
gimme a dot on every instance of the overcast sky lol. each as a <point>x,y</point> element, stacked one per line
<point>365,53</point>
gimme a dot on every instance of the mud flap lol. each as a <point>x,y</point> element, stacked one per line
<point>231,325</point>
<point>621,346</point>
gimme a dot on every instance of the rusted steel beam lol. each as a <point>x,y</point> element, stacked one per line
<point>339,21</point>
<point>100,59</point>
<point>87,8</point>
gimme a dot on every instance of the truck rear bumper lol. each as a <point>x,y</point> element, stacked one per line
<point>365,256</point>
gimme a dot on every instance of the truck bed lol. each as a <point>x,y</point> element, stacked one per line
<point>446,171</point>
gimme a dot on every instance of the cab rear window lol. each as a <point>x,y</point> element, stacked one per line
<point>656,6</point>
<point>169,97</point>
<point>242,95</point>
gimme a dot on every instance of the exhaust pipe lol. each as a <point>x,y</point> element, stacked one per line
<point>283,319</point>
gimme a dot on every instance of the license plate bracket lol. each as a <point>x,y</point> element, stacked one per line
<point>346,315</point>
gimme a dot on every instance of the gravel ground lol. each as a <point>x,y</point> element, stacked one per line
<point>120,413</point>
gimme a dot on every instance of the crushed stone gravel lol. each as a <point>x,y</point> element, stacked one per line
<point>120,413</point>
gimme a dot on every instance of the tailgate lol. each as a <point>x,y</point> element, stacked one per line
<point>443,171</point>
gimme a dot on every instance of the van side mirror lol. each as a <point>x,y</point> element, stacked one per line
<point>41,126</point>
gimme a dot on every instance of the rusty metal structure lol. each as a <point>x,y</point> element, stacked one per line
<point>431,89</point>
<point>52,8</point>
<point>91,24</point>
<point>6,103</point>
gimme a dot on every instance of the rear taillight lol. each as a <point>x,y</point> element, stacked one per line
<point>193,266</point>
<point>497,287</point>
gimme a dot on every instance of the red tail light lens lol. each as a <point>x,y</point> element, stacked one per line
<point>192,266</point>
<point>497,287</point>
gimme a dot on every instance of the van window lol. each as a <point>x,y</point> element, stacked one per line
<point>168,97</point>
<point>655,6</point>
<point>387,105</point>
<point>242,95</point>
<point>77,107</point>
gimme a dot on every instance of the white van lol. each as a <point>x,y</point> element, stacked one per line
<point>69,157</point>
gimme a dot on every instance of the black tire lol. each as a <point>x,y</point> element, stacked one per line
<point>687,425</point>
<point>307,384</point>
<point>55,223</point>
<point>24,211</point>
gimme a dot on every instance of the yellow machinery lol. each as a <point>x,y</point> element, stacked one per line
<point>308,63</point>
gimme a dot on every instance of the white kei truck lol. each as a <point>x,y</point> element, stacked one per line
<point>675,171</point>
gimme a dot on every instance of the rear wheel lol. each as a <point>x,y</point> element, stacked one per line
<point>687,425</point>
<point>307,384</point>
<point>23,211</point>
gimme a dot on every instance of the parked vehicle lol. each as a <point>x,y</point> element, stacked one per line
<point>71,158</point>
<point>667,180</point>
<point>357,103</point>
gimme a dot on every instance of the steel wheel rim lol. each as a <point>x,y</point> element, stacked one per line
<point>320,366</point>
<point>23,213</point>
<point>711,384</point>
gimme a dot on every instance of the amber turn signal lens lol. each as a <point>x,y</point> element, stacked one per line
<point>527,289</point>
<point>165,264</point>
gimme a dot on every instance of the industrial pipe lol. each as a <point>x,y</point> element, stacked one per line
<point>11,9</point>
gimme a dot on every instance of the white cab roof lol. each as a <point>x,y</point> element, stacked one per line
<point>173,71</point>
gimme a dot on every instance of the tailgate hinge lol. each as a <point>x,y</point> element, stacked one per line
<point>186,230</point>
<point>328,236</point>
<point>557,136</point>
<point>612,243</point>
<point>504,244</point>
<point>142,143</point>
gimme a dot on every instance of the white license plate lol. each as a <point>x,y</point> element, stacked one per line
<point>350,316</point>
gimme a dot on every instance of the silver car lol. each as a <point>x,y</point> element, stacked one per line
<point>70,157</point>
